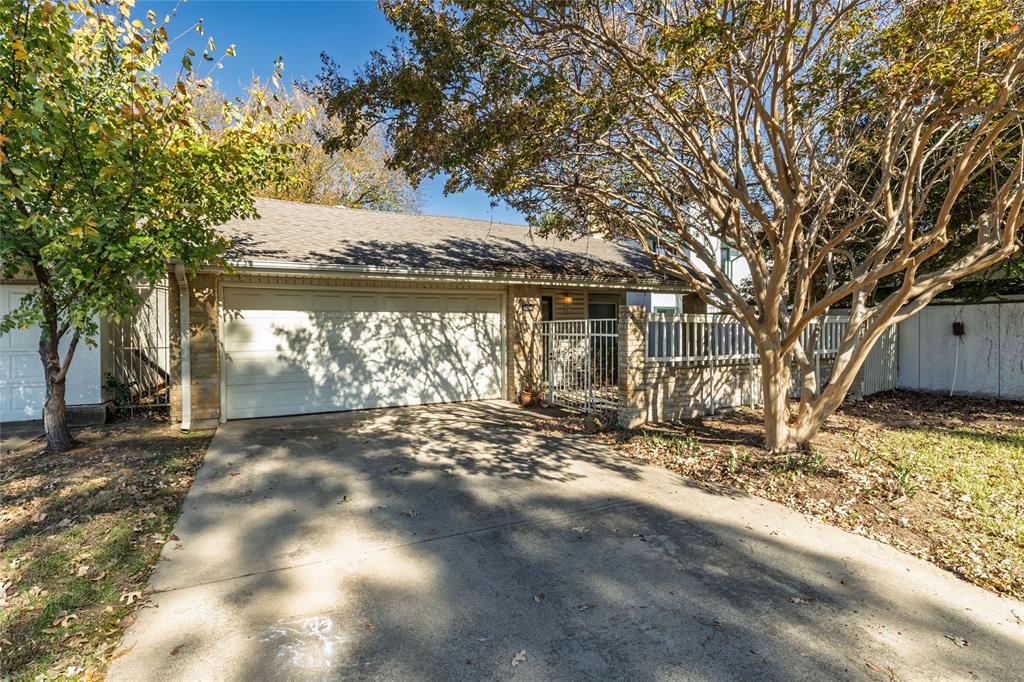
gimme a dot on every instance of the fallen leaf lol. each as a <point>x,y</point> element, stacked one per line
<point>82,570</point>
<point>130,598</point>
<point>172,536</point>
<point>235,473</point>
<point>959,641</point>
<point>539,597</point>
<point>584,607</point>
<point>519,658</point>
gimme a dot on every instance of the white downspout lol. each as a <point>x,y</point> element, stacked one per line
<point>186,355</point>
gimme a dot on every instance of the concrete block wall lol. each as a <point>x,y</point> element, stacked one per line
<point>204,349</point>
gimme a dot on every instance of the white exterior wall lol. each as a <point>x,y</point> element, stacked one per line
<point>988,360</point>
<point>651,301</point>
<point>22,387</point>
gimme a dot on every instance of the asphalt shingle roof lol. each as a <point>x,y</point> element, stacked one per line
<point>330,236</point>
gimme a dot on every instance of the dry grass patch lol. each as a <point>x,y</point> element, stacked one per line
<point>79,536</point>
<point>941,478</point>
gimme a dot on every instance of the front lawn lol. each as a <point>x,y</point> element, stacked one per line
<point>939,477</point>
<point>79,536</point>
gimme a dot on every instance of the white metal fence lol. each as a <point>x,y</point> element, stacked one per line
<point>581,363</point>
<point>140,353</point>
<point>880,370</point>
<point>700,338</point>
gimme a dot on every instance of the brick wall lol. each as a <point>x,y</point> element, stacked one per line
<point>203,347</point>
<point>525,354</point>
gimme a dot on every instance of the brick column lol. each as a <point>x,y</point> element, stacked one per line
<point>632,361</point>
<point>204,349</point>
<point>525,355</point>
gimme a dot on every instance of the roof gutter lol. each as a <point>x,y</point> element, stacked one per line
<point>185,344</point>
<point>371,272</point>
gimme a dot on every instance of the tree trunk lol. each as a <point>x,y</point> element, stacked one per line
<point>775,380</point>
<point>55,421</point>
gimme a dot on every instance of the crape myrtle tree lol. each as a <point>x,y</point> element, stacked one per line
<point>106,173</point>
<point>670,122</point>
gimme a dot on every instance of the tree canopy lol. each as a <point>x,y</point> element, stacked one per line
<point>792,130</point>
<point>106,173</point>
<point>359,177</point>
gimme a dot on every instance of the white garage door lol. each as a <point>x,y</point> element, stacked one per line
<point>295,351</point>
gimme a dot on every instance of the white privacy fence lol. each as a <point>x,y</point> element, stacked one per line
<point>704,338</point>
<point>986,357</point>
<point>581,363</point>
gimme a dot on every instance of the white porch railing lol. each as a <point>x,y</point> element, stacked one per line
<point>708,338</point>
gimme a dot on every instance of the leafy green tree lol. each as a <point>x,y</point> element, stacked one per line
<point>357,178</point>
<point>669,122</point>
<point>107,174</point>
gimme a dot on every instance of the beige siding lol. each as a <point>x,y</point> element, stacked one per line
<point>563,308</point>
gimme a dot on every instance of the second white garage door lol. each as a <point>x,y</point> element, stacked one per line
<point>295,351</point>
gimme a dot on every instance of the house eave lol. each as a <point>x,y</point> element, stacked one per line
<point>290,268</point>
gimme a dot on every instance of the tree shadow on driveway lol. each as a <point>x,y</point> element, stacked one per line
<point>442,542</point>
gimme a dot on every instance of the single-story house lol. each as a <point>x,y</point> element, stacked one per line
<point>327,309</point>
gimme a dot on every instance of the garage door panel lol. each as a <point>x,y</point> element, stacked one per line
<point>487,305</point>
<point>261,368</point>
<point>361,350</point>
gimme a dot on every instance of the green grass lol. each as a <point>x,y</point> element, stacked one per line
<point>980,475</point>
<point>70,576</point>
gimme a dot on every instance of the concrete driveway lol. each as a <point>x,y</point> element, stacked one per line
<point>467,542</point>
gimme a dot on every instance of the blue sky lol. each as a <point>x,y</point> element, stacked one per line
<point>298,31</point>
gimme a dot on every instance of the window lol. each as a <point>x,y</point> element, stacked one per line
<point>725,260</point>
<point>602,311</point>
<point>547,308</point>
